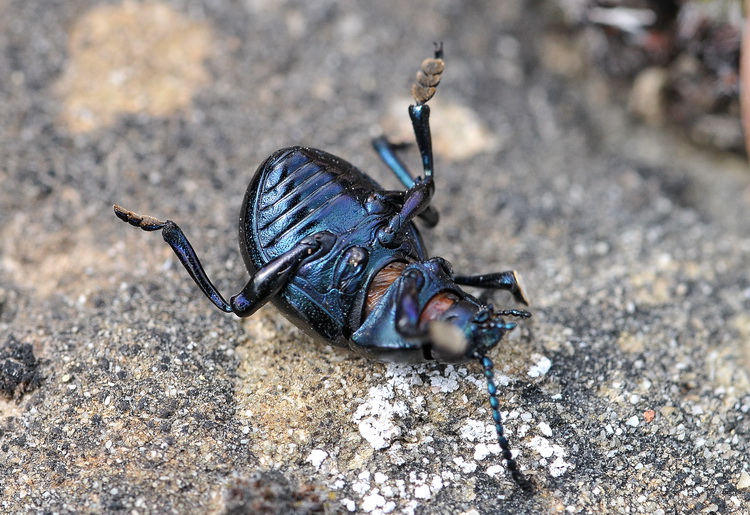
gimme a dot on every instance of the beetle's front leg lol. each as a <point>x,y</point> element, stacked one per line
<point>416,200</point>
<point>265,283</point>
<point>176,239</point>
<point>438,339</point>
<point>507,281</point>
<point>407,308</point>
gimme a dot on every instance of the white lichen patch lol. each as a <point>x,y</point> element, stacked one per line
<point>474,430</point>
<point>541,367</point>
<point>317,457</point>
<point>377,416</point>
<point>467,467</point>
<point>422,492</point>
<point>481,451</point>
<point>446,381</point>
<point>485,437</point>
<point>545,429</point>
<point>494,470</point>
<point>381,495</point>
<point>375,501</point>
<point>382,420</point>
<point>559,467</point>
<point>548,450</point>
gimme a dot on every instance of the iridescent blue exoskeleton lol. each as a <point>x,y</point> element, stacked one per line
<point>342,259</point>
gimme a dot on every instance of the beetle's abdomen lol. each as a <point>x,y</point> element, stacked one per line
<point>299,191</point>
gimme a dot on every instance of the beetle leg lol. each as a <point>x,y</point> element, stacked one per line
<point>439,339</point>
<point>387,153</point>
<point>420,121</point>
<point>407,309</point>
<point>419,195</point>
<point>262,286</point>
<point>275,274</point>
<point>176,239</point>
<point>508,281</point>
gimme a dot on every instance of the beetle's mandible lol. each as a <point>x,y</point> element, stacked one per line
<point>341,258</point>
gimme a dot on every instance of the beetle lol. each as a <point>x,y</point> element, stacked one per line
<point>341,258</point>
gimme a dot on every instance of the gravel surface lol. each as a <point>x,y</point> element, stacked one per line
<point>627,392</point>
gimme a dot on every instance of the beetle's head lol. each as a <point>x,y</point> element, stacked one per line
<point>463,328</point>
<point>418,310</point>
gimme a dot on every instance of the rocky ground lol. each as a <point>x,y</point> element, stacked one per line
<point>123,389</point>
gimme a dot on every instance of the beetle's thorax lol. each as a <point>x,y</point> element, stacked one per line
<point>416,307</point>
<point>442,301</point>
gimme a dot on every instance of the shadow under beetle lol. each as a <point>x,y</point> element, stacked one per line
<point>342,259</point>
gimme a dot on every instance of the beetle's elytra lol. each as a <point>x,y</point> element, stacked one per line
<point>341,258</point>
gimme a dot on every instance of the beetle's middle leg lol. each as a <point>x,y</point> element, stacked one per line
<point>263,285</point>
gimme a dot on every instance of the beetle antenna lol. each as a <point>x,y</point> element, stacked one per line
<point>518,476</point>
<point>519,313</point>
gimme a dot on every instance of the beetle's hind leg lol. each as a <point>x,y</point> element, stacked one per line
<point>276,274</point>
<point>387,152</point>
<point>419,195</point>
<point>264,284</point>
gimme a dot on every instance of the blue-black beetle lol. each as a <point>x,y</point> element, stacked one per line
<point>341,258</point>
